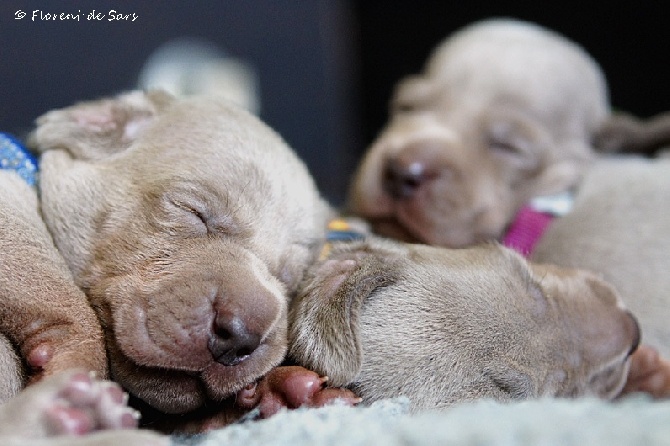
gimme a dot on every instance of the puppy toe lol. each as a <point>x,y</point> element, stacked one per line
<point>335,395</point>
<point>649,373</point>
<point>61,419</point>
<point>296,385</point>
<point>111,408</point>
<point>291,387</point>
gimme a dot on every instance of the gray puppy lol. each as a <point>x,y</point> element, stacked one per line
<point>445,326</point>
<point>504,111</point>
<point>187,223</point>
<point>619,227</point>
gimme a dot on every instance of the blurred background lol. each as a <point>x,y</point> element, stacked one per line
<point>320,72</point>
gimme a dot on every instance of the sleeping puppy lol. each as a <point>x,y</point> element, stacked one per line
<point>46,324</point>
<point>445,326</point>
<point>503,112</point>
<point>187,223</point>
<point>619,227</point>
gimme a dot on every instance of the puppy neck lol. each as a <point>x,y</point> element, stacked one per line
<point>533,219</point>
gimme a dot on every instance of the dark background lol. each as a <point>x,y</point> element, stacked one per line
<point>326,67</point>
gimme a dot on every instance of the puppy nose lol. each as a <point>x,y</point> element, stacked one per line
<point>231,341</point>
<point>635,328</point>
<point>402,178</point>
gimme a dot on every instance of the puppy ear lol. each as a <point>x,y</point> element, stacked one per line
<point>97,129</point>
<point>324,332</point>
<point>412,93</point>
<point>623,132</point>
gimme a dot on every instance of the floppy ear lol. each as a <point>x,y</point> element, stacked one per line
<point>623,132</point>
<point>324,332</point>
<point>95,130</point>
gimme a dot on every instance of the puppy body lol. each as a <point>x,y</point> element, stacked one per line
<point>504,111</point>
<point>445,326</point>
<point>619,227</point>
<point>46,324</point>
<point>187,223</point>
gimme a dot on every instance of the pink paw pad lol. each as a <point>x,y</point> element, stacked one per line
<point>85,404</point>
<point>292,387</point>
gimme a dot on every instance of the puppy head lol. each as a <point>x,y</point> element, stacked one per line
<point>503,112</point>
<point>446,326</point>
<point>187,223</point>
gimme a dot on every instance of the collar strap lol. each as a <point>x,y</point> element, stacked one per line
<point>14,156</point>
<point>532,221</point>
<point>339,230</point>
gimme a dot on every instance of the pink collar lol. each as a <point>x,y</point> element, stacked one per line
<point>532,221</point>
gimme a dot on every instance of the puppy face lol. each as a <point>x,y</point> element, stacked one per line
<point>503,112</point>
<point>446,326</point>
<point>187,223</point>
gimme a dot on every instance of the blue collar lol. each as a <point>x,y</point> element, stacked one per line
<point>339,230</point>
<point>14,156</point>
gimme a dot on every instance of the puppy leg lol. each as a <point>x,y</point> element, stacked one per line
<point>42,312</point>
<point>69,404</point>
<point>649,373</point>
<point>292,387</point>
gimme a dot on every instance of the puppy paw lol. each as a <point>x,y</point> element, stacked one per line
<point>70,403</point>
<point>49,357</point>
<point>649,373</point>
<point>292,387</point>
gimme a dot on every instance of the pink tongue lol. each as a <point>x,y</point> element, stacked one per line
<point>526,229</point>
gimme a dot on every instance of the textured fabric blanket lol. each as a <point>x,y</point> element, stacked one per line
<point>635,420</point>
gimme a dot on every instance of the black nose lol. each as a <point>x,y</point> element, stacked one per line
<point>231,341</point>
<point>637,334</point>
<point>403,180</point>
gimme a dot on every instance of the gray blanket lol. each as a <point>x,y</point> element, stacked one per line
<point>634,421</point>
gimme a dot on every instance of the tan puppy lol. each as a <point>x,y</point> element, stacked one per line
<point>445,326</point>
<point>187,223</point>
<point>503,112</point>
<point>42,313</point>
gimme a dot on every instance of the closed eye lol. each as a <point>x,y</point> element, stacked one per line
<point>191,210</point>
<point>515,384</point>
<point>196,217</point>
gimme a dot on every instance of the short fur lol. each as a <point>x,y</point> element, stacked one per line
<point>185,222</point>
<point>620,228</point>
<point>504,111</point>
<point>46,324</point>
<point>445,326</point>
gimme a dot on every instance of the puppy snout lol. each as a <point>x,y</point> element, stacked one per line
<point>232,341</point>
<point>413,167</point>
<point>403,179</point>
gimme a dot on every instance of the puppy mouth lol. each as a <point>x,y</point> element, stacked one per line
<point>191,348</point>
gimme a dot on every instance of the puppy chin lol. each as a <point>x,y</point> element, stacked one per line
<point>185,390</point>
<point>222,381</point>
